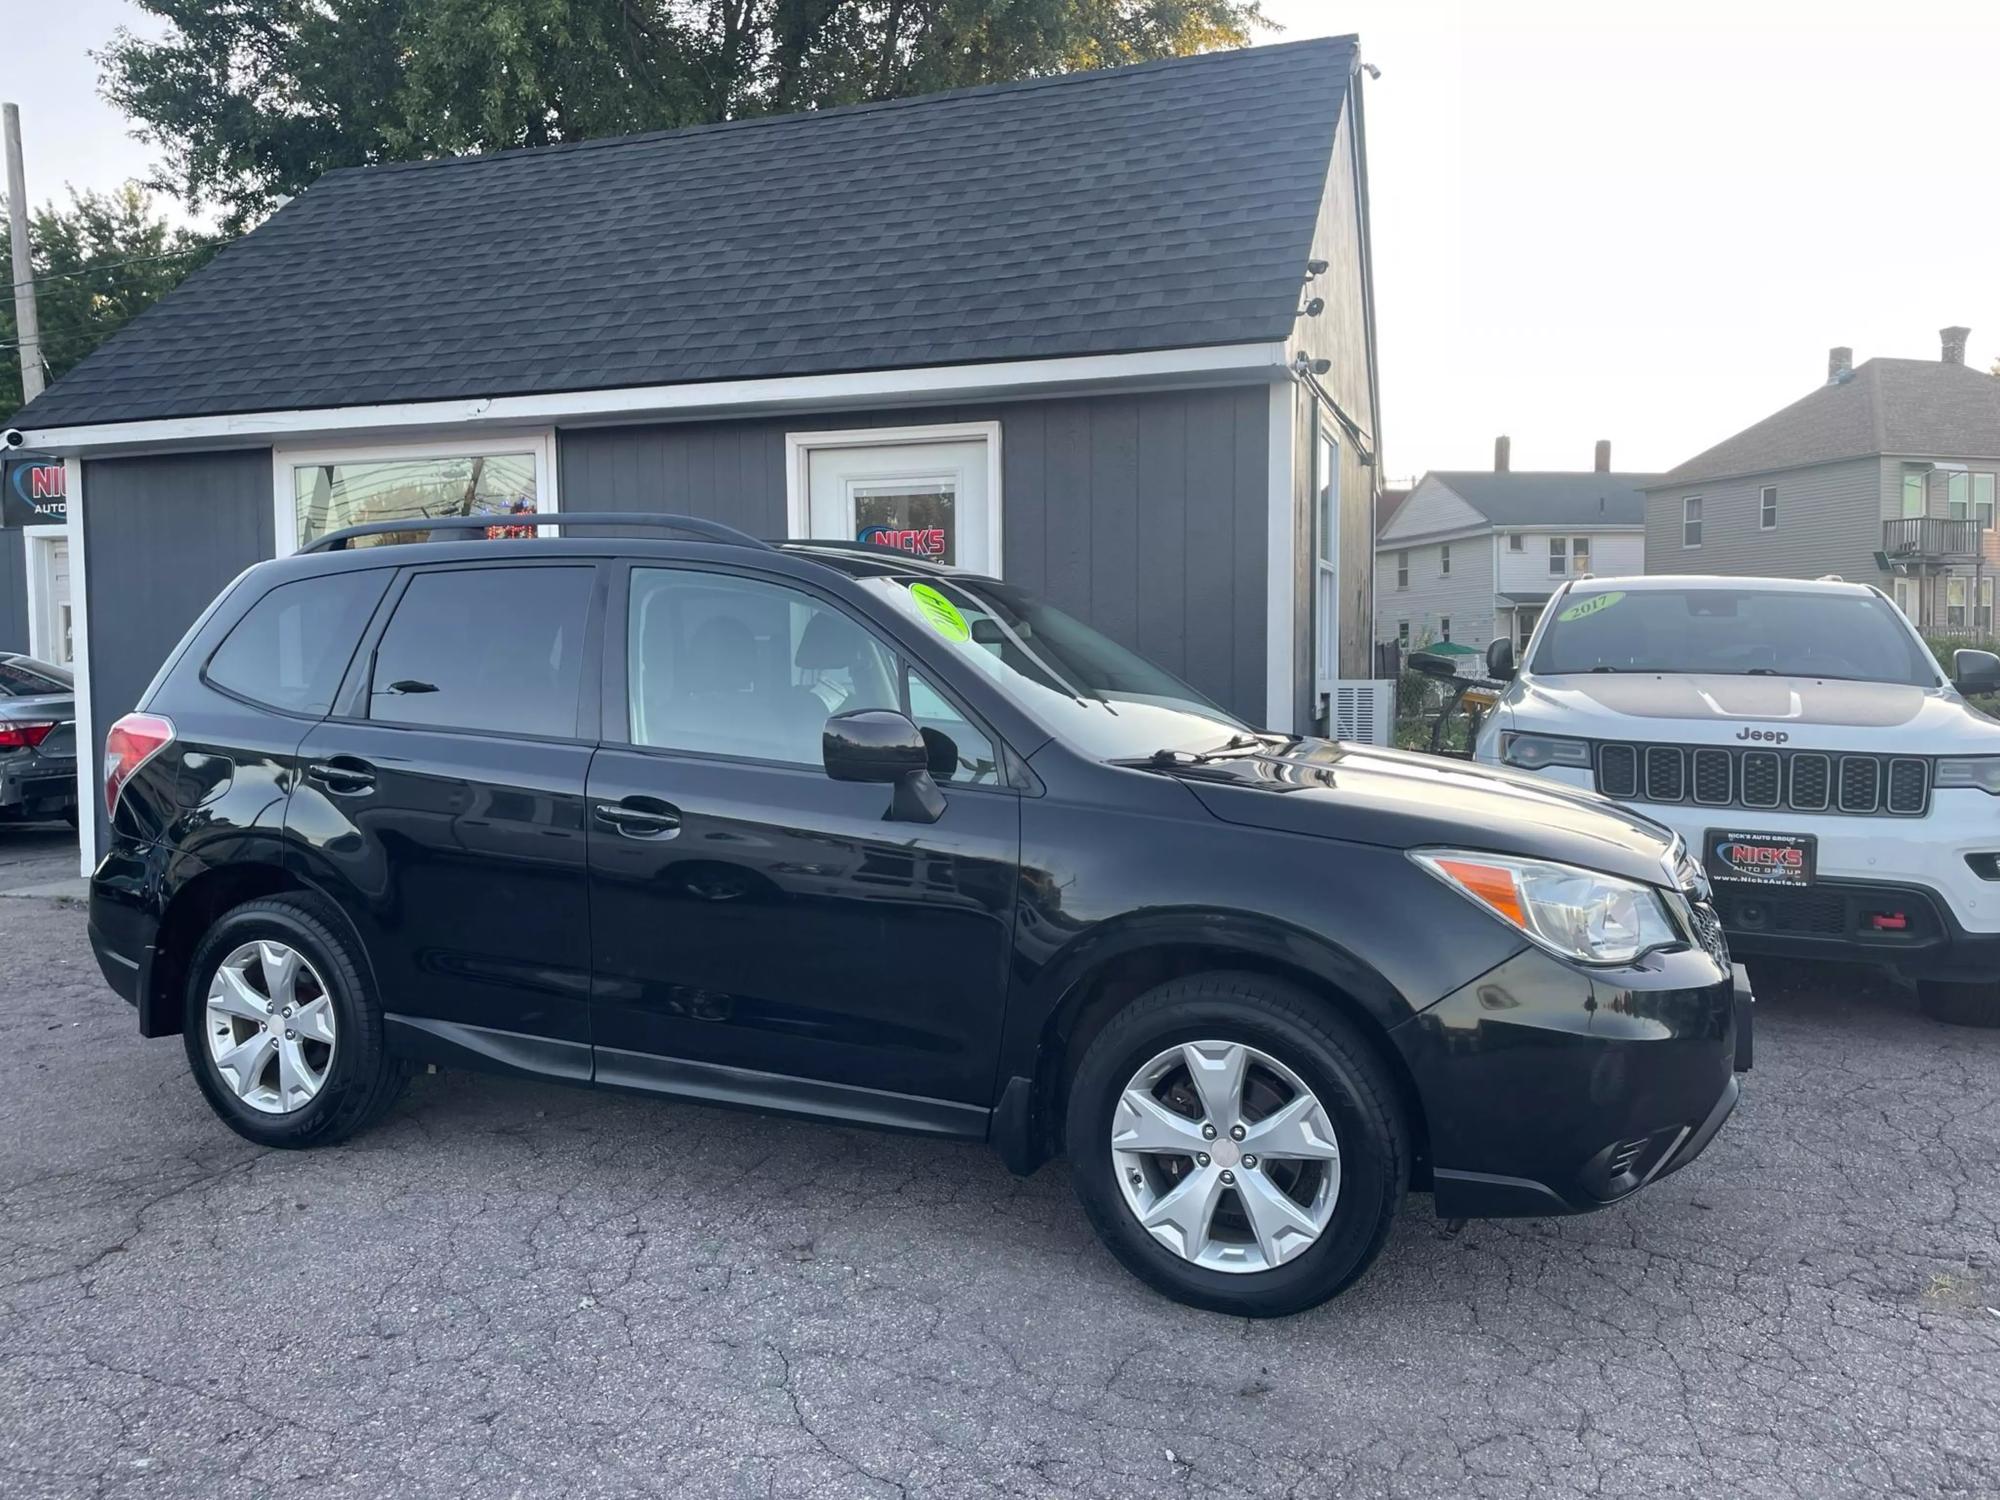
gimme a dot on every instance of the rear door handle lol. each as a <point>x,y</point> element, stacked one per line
<point>342,774</point>
<point>653,822</point>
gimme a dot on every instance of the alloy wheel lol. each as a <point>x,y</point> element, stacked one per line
<point>271,1027</point>
<point>1225,1156</point>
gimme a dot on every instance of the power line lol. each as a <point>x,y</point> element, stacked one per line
<point>112,265</point>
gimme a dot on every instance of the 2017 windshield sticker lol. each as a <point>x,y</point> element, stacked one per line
<point>1595,604</point>
<point>940,612</point>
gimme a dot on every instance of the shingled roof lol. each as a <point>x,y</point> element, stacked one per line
<point>1916,407</point>
<point>1550,497</point>
<point>1167,205</point>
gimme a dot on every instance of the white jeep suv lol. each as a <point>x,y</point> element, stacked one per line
<point>1842,795</point>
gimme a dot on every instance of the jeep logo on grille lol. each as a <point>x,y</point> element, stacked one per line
<point>1768,736</point>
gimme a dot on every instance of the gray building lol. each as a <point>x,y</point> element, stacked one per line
<point>1472,554</point>
<point>1109,335</point>
<point>1884,475</point>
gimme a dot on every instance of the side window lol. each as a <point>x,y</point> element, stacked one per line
<point>723,665</point>
<point>493,649</point>
<point>290,650</point>
<point>969,760</point>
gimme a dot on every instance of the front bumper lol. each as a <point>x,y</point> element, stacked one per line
<point>1549,1090</point>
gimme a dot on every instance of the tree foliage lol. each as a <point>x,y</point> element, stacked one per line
<point>251,100</point>
<point>98,264</point>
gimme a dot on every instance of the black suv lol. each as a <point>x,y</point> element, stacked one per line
<point>832,831</point>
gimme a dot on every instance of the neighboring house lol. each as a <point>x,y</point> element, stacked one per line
<point>1109,335</point>
<point>1884,475</point>
<point>1472,555</point>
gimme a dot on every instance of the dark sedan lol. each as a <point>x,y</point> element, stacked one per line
<point>37,740</point>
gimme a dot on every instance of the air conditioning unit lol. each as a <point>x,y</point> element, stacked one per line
<point>1364,709</point>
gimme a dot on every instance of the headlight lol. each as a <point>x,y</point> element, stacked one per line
<point>1532,752</point>
<point>1982,771</point>
<point>1576,914</point>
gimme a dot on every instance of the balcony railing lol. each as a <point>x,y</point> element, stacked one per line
<point>1930,536</point>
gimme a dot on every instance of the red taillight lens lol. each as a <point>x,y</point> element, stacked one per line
<point>25,736</point>
<point>132,741</point>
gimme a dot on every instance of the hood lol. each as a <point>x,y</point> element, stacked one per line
<point>1811,712</point>
<point>1408,801</point>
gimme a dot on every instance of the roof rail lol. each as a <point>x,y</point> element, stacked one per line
<point>695,526</point>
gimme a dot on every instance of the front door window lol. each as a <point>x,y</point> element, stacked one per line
<point>929,499</point>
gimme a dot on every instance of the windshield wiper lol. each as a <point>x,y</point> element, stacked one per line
<point>1164,759</point>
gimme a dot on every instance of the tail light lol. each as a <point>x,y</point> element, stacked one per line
<point>131,742</point>
<point>25,736</point>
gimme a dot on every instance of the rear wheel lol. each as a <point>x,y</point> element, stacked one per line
<point>282,1031</point>
<point>1976,1004</point>
<point>1236,1145</point>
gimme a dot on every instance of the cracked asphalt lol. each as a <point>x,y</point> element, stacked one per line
<point>513,1290</point>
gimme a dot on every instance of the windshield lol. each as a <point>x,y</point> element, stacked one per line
<point>1740,631</point>
<point>1085,688</point>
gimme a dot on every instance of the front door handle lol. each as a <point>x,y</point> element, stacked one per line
<point>343,774</point>
<point>657,821</point>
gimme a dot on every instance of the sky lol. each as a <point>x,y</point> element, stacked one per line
<point>1644,222</point>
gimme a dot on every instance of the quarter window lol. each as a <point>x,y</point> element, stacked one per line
<point>1767,508</point>
<point>722,665</point>
<point>289,651</point>
<point>1691,521</point>
<point>498,650</point>
<point>960,753</point>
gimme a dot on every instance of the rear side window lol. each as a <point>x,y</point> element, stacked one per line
<point>290,650</point>
<point>493,649</point>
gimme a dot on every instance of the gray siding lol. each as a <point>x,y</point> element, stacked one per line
<point>1829,521</point>
<point>1144,515</point>
<point>161,536</point>
<point>13,590</point>
<point>1464,596</point>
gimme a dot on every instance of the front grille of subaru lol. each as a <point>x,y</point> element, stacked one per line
<point>1892,786</point>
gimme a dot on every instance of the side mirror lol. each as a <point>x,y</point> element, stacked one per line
<point>1500,659</point>
<point>882,746</point>
<point>1432,666</point>
<point>1975,672</point>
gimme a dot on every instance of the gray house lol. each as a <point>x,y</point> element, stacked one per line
<point>1472,554</point>
<point>1109,335</point>
<point>1883,475</point>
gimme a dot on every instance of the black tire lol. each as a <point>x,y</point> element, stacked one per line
<point>1329,1054</point>
<point>362,1081</point>
<point>1957,1004</point>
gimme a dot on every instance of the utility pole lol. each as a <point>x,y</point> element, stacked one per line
<point>24,270</point>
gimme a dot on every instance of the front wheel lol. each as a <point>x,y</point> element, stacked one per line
<point>1237,1145</point>
<point>1956,1004</point>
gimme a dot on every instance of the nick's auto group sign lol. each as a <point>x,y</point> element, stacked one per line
<point>33,492</point>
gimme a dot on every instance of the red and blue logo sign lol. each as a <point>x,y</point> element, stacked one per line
<point>34,492</point>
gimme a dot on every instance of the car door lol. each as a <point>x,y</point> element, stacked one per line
<point>442,806</point>
<point>750,913</point>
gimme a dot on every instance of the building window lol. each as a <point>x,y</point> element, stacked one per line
<point>1954,603</point>
<point>323,491</point>
<point>1558,556</point>
<point>1985,621</point>
<point>1444,560</point>
<point>1906,599</point>
<point>1403,635</point>
<point>1516,542</point>
<point>1579,554</point>
<point>1958,495</point>
<point>1913,494</point>
<point>1982,500</point>
<point>1402,570</point>
<point>1691,520</point>
<point>1444,629</point>
<point>1767,508</point>
<point>1326,570</point>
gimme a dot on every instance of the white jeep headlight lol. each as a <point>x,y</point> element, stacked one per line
<point>1981,771</point>
<point>1578,914</point>
<point>1533,752</point>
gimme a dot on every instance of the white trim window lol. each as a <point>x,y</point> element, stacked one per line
<point>1403,635</point>
<point>1444,629</point>
<point>1579,555</point>
<point>49,597</point>
<point>1906,599</point>
<point>1516,542</point>
<point>800,447</point>
<point>1958,495</point>
<point>1983,621</point>
<point>320,490</point>
<point>1982,500</point>
<point>1326,560</point>
<point>1444,559</point>
<point>1558,557</point>
<point>1403,569</point>
<point>1690,520</point>
<point>1767,508</point>
<point>1954,601</point>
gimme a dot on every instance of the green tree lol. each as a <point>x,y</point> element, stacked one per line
<point>252,100</point>
<point>98,264</point>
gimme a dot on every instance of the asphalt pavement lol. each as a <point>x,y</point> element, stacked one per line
<point>516,1290</point>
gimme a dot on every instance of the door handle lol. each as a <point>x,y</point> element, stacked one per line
<point>639,822</point>
<point>342,775</point>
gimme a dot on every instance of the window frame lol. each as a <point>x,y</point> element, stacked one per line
<point>1580,552</point>
<point>351,702</point>
<point>1767,507</point>
<point>1558,557</point>
<point>1444,559</point>
<point>1517,541</point>
<point>1444,629</point>
<point>614,711</point>
<point>1958,507</point>
<point>539,442</point>
<point>1695,517</point>
<point>1988,504</point>
<point>1403,568</point>
<point>1960,585</point>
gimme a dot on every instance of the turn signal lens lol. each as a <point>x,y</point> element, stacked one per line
<point>25,736</point>
<point>131,742</point>
<point>1578,914</point>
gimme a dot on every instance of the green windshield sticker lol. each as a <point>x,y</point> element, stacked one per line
<point>942,614</point>
<point>1595,604</point>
